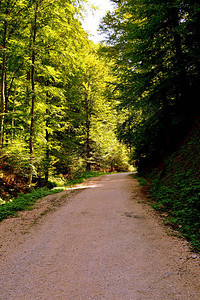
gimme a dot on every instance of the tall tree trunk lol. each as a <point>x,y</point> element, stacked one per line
<point>182,84</point>
<point>88,155</point>
<point>3,78</point>
<point>47,158</point>
<point>7,99</point>
<point>27,102</point>
<point>87,111</point>
<point>32,78</point>
<point>5,135</point>
<point>13,122</point>
<point>47,165</point>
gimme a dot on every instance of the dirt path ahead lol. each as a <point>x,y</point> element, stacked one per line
<point>104,244</point>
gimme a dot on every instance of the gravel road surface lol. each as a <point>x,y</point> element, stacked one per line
<point>105,243</point>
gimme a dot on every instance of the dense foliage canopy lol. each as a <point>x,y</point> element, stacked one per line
<point>157,48</point>
<point>57,113</point>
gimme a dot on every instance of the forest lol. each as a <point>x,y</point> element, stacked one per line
<point>70,106</point>
<point>58,116</point>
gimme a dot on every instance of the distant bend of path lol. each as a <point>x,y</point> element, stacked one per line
<point>104,244</point>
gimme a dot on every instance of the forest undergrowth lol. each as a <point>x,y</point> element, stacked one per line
<point>175,189</point>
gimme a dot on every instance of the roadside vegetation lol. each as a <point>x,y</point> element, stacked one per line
<point>23,202</point>
<point>175,189</point>
<point>82,176</point>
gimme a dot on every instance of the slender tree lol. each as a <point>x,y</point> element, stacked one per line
<point>3,68</point>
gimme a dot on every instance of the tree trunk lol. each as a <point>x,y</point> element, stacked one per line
<point>88,113</point>
<point>47,158</point>
<point>5,134</point>
<point>27,102</point>
<point>32,78</point>
<point>13,122</point>
<point>47,166</point>
<point>88,164</point>
<point>181,83</point>
<point>3,79</point>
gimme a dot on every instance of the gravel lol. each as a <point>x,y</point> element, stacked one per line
<point>102,242</point>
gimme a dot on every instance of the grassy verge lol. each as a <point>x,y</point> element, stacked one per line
<point>81,177</point>
<point>175,190</point>
<point>179,195</point>
<point>142,181</point>
<point>26,201</point>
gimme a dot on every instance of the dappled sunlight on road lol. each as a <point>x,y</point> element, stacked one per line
<point>83,187</point>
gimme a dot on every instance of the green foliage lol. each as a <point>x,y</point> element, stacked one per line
<point>176,190</point>
<point>156,72</point>
<point>24,202</point>
<point>56,102</point>
<point>81,176</point>
<point>142,181</point>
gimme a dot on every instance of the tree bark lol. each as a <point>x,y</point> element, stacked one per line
<point>13,122</point>
<point>88,149</point>
<point>88,165</point>
<point>181,83</point>
<point>32,78</point>
<point>47,158</point>
<point>47,165</point>
<point>3,78</point>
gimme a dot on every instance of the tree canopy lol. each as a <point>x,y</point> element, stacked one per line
<point>56,102</point>
<point>156,49</point>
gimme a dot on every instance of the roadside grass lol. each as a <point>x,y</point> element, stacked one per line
<point>142,181</point>
<point>175,190</point>
<point>81,177</point>
<point>26,201</point>
<point>177,197</point>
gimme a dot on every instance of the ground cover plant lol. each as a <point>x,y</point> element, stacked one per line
<point>24,202</point>
<point>176,190</point>
<point>82,176</point>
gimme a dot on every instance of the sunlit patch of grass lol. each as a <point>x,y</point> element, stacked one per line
<point>24,202</point>
<point>79,178</point>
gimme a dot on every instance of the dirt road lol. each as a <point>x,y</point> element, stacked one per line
<point>103,244</point>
